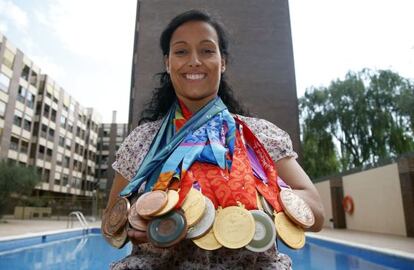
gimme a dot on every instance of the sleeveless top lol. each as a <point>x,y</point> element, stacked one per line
<point>186,255</point>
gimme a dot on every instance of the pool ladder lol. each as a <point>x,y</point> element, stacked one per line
<point>81,219</point>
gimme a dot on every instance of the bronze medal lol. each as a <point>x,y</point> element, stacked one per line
<point>116,217</point>
<point>151,202</point>
<point>117,240</point>
<point>296,208</point>
<point>136,221</point>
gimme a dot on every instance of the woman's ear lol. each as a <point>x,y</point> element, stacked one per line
<point>223,65</point>
<point>167,64</point>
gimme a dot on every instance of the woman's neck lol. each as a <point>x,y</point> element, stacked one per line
<point>195,105</point>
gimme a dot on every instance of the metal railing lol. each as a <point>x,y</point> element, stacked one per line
<point>80,217</point>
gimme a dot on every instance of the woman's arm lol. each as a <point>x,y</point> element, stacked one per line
<point>118,185</point>
<point>293,174</point>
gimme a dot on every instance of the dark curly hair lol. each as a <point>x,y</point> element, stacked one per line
<point>164,95</point>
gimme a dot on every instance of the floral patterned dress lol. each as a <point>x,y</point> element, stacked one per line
<point>187,255</point>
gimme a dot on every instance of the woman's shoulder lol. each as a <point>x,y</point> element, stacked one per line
<point>147,127</point>
<point>276,141</point>
<point>259,125</point>
<point>134,148</point>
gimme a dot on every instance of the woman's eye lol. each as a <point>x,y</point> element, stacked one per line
<point>209,51</point>
<point>180,52</point>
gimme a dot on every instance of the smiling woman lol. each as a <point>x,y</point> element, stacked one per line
<point>196,172</point>
<point>195,63</point>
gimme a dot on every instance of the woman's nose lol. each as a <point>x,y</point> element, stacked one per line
<point>194,60</point>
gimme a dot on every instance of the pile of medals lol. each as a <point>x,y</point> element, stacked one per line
<point>233,227</point>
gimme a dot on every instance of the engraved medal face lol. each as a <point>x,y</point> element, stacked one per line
<point>117,216</point>
<point>194,206</point>
<point>289,232</point>
<point>296,208</point>
<point>151,202</point>
<point>167,230</point>
<point>234,227</point>
<point>117,240</point>
<point>205,223</point>
<point>265,233</point>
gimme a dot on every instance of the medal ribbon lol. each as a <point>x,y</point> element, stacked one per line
<point>265,171</point>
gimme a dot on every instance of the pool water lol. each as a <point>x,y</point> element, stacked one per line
<point>81,252</point>
<point>77,250</point>
<point>319,254</point>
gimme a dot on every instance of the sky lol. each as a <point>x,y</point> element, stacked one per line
<point>86,45</point>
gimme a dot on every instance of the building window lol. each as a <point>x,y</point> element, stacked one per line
<point>30,100</point>
<point>21,94</point>
<point>53,116</point>
<point>57,182</point>
<point>27,124</point>
<point>65,180</point>
<point>4,82</point>
<point>25,73</point>
<point>63,121</point>
<point>51,134</point>
<point>14,143</point>
<point>24,147</point>
<point>38,107</point>
<point>48,154</point>
<point>43,131</point>
<point>8,58</point>
<point>68,144</point>
<point>2,108</point>
<point>17,120</point>
<point>41,152</point>
<point>46,111</point>
<point>33,79</point>
<point>66,162</point>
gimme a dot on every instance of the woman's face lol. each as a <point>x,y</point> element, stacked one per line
<point>195,63</point>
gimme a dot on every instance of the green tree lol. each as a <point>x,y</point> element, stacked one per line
<point>15,179</point>
<point>366,117</point>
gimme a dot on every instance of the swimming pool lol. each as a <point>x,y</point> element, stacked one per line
<point>77,249</point>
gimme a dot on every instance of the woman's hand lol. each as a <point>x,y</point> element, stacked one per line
<point>137,237</point>
<point>292,173</point>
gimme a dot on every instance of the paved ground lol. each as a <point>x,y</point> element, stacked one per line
<point>392,243</point>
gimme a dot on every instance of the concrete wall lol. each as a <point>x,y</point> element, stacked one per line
<point>324,190</point>
<point>377,199</point>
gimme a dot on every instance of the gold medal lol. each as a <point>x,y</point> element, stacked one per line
<point>234,227</point>
<point>289,232</point>
<point>193,206</point>
<point>208,241</point>
<point>296,208</point>
<point>173,197</point>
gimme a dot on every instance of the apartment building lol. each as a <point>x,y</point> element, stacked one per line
<point>111,135</point>
<point>43,126</point>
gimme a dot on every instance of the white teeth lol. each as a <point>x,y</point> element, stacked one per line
<point>194,76</point>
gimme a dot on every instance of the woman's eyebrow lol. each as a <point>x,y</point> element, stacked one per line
<point>207,41</point>
<point>178,42</point>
